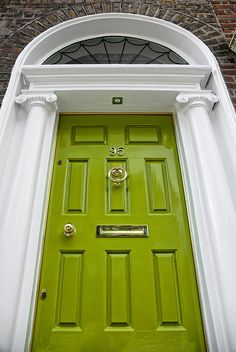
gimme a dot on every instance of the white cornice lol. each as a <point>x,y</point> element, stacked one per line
<point>135,77</point>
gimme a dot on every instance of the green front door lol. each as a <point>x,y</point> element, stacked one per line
<point>125,282</point>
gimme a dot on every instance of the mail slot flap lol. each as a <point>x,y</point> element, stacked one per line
<point>122,231</point>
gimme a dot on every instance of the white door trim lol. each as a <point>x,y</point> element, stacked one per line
<point>206,142</point>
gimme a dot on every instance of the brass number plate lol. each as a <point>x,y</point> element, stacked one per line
<point>116,151</point>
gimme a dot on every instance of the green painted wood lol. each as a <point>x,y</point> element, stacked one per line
<point>69,293</point>
<point>118,294</point>
<point>157,185</point>
<point>167,287</point>
<point>76,188</point>
<point>89,134</point>
<point>142,134</point>
<point>117,196</point>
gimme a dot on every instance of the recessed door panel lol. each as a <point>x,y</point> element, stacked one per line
<point>89,134</point>
<point>75,193</point>
<point>119,310</point>
<point>70,290</point>
<point>143,134</point>
<point>169,312</point>
<point>157,185</point>
<point>117,197</point>
<point>117,265</point>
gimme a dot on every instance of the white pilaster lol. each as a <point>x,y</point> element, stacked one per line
<point>17,254</point>
<point>213,218</point>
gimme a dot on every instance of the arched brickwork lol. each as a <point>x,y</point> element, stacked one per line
<point>20,23</point>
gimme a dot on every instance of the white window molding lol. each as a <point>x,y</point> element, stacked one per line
<point>205,138</point>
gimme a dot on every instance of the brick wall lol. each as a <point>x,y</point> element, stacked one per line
<point>212,21</point>
<point>225,12</point>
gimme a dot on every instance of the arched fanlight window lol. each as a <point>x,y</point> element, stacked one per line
<point>115,50</point>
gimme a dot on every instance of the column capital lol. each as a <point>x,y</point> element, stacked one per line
<point>47,100</point>
<point>186,100</point>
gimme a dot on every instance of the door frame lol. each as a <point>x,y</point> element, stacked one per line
<point>28,134</point>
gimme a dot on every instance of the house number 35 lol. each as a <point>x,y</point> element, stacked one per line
<point>116,151</point>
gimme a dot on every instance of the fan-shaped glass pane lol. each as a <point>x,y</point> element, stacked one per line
<point>115,50</point>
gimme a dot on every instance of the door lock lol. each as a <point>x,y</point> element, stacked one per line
<point>69,230</point>
<point>43,293</point>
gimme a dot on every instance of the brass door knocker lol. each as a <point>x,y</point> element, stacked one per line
<point>117,175</point>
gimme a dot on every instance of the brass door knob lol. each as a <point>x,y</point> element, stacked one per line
<point>69,230</point>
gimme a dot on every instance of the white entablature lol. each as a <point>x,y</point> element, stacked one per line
<point>91,87</point>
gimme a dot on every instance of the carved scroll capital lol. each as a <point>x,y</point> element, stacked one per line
<point>187,100</point>
<point>27,100</point>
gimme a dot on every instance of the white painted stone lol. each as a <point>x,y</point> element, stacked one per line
<point>214,217</point>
